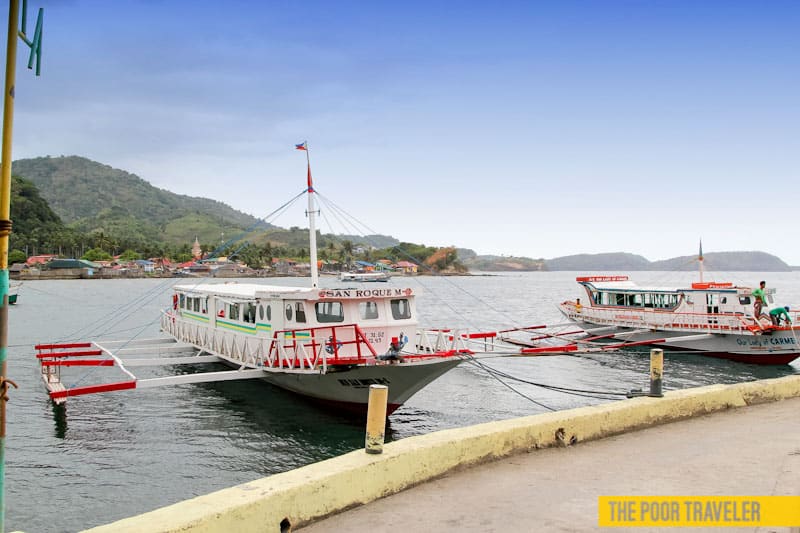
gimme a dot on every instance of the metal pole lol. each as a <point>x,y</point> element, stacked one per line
<point>656,372</point>
<point>5,230</point>
<point>376,418</point>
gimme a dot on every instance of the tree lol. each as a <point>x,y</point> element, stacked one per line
<point>445,259</point>
<point>16,256</point>
<point>129,255</point>
<point>96,254</point>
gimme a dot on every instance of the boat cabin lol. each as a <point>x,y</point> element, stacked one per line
<point>700,297</point>
<point>383,316</point>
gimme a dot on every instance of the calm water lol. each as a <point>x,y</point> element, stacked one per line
<point>124,453</point>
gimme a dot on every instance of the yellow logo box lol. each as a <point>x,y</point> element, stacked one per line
<point>694,511</point>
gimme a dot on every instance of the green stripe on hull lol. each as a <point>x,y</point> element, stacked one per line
<point>194,316</point>
<point>236,327</point>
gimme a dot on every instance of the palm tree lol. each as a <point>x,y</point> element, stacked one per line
<point>347,252</point>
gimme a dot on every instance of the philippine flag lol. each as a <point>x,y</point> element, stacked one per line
<point>301,146</point>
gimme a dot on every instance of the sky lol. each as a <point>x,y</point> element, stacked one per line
<point>537,129</point>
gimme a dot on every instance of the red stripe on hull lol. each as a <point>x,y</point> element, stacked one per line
<point>753,359</point>
<point>756,359</point>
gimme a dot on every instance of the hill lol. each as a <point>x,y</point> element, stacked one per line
<point>90,196</point>
<point>716,261</point>
<point>494,263</point>
<point>606,261</point>
<point>33,220</point>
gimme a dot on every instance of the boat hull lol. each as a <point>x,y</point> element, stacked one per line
<point>778,347</point>
<point>348,388</point>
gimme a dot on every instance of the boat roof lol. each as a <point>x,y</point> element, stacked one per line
<point>622,283</point>
<point>257,290</point>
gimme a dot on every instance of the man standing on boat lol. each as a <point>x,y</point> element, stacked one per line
<point>780,313</point>
<point>761,299</point>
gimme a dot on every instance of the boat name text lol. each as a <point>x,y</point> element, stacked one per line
<point>766,341</point>
<point>364,293</point>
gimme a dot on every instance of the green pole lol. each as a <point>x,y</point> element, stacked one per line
<point>5,230</point>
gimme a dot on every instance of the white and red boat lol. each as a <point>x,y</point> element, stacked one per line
<point>710,318</point>
<point>327,344</point>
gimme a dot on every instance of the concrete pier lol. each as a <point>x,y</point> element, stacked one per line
<point>754,450</point>
<point>552,490</point>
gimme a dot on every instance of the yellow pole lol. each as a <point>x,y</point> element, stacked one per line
<point>656,372</point>
<point>376,418</point>
<point>5,230</point>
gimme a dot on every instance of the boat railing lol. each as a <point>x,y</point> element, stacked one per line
<point>319,347</point>
<point>302,349</point>
<point>436,341</point>
<point>724,322</point>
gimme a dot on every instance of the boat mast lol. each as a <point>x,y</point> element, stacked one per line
<point>312,230</point>
<point>700,260</point>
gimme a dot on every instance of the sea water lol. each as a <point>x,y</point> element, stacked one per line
<point>114,455</point>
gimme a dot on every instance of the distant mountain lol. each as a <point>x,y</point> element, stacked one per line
<point>715,261</point>
<point>495,263</point>
<point>606,261</point>
<point>726,262</point>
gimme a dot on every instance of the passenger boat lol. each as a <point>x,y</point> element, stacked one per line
<point>365,276</point>
<point>709,318</point>
<point>326,344</point>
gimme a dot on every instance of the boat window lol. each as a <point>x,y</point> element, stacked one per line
<point>723,300</point>
<point>250,312</point>
<point>368,310</point>
<point>633,300</point>
<point>261,312</point>
<point>744,300</point>
<point>299,312</point>
<point>196,302</point>
<point>594,296</point>
<point>620,299</point>
<point>288,311</point>
<point>183,301</point>
<point>233,312</point>
<point>329,312</point>
<point>205,305</point>
<point>269,312</point>
<point>400,309</point>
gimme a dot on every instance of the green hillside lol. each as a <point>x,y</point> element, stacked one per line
<point>90,196</point>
